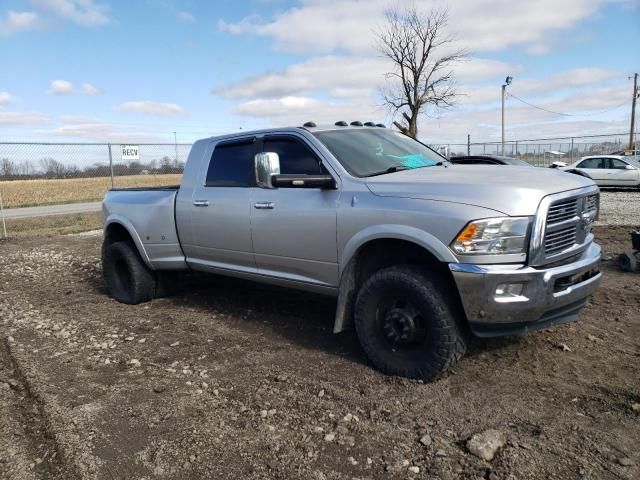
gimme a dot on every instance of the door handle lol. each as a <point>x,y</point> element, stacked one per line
<point>201,203</point>
<point>264,205</point>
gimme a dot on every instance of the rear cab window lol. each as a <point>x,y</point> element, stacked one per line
<point>231,165</point>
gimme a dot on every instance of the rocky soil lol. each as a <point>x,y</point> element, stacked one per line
<point>235,380</point>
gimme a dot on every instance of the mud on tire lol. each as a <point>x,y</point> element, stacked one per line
<point>127,278</point>
<point>407,323</point>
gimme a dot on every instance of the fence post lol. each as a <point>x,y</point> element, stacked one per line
<point>111,164</point>
<point>516,152</point>
<point>468,144</point>
<point>571,154</point>
<point>4,225</point>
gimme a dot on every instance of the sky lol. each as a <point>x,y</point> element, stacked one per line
<point>137,71</point>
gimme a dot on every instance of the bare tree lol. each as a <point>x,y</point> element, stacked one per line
<point>423,55</point>
<point>52,168</point>
<point>7,168</point>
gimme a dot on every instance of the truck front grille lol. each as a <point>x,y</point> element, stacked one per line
<point>560,240</point>
<point>568,225</point>
<point>562,210</point>
<point>592,204</point>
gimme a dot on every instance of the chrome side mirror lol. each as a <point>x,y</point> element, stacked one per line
<point>267,164</point>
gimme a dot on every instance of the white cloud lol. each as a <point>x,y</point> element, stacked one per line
<point>344,77</point>
<point>531,88</point>
<point>22,118</point>
<point>6,97</point>
<point>341,76</point>
<point>348,25</point>
<point>17,22</point>
<point>186,17</point>
<point>83,12</point>
<point>151,108</point>
<point>99,130</point>
<point>60,87</point>
<point>297,110</point>
<point>90,89</point>
<point>594,109</point>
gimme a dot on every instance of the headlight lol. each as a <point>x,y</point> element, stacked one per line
<point>493,236</point>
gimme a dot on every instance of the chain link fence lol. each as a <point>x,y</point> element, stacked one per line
<point>52,173</point>
<point>543,151</point>
<point>37,174</point>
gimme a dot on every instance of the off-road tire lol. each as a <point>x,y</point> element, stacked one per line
<point>627,262</point>
<point>127,278</point>
<point>442,343</point>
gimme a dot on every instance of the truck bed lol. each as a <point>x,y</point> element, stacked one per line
<point>143,189</point>
<point>149,215</point>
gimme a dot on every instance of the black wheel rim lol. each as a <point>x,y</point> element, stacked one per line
<point>401,324</point>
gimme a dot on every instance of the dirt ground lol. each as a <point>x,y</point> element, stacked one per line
<point>236,380</point>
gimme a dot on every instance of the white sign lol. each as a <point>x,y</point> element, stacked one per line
<point>130,152</point>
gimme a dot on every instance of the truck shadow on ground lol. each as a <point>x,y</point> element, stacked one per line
<point>302,318</point>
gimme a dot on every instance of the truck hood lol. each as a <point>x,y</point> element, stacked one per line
<point>509,190</point>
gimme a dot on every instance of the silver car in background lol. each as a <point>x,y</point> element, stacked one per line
<point>609,170</point>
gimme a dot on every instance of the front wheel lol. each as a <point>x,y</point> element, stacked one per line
<point>407,323</point>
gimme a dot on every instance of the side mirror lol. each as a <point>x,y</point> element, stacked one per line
<point>325,182</point>
<point>629,167</point>
<point>267,164</point>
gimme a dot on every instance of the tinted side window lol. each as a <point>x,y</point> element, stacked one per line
<point>231,165</point>
<point>617,164</point>
<point>295,156</point>
<point>592,163</point>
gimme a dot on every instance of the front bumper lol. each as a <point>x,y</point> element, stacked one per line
<point>550,296</point>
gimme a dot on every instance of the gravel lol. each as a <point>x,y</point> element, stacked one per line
<point>619,207</point>
<point>86,372</point>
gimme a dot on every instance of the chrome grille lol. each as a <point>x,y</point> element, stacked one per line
<point>562,228</point>
<point>592,203</point>
<point>560,240</point>
<point>562,211</point>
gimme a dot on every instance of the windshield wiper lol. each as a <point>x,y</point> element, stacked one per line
<point>398,168</point>
<point>394,168</point>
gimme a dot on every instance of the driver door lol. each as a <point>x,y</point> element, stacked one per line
<point>294,229</point>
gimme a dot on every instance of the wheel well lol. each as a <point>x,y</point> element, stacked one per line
<point>383,253</point>
<point>116,232</point>
<point>376,255</point>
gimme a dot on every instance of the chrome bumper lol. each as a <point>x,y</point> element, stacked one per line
<point>549,296</point>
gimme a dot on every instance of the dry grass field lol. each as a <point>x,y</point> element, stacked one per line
<point>53,225</point>
<point>30,193</point>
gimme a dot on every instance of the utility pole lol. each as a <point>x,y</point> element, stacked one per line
<point>507,81</point>
<point>633,111</point>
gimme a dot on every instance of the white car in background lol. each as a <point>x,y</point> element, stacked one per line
<point>609,170</point>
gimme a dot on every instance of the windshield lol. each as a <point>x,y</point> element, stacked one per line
<point>371,151</point>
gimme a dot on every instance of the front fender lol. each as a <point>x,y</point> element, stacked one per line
<point>397,232</point>
<point>114,218</point>
<point>348,288</point>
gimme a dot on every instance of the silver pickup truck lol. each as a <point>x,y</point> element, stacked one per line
<point>420,253</point>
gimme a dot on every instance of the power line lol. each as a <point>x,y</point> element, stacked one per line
<point>567,114</point>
